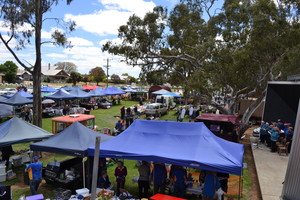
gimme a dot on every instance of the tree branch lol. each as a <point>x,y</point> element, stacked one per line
<point>14,54</point>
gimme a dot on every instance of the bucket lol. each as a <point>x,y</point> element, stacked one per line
<point>2,177</point>
<point>2,169</point>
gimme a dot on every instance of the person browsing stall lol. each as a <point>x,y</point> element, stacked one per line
<point>35,174</point>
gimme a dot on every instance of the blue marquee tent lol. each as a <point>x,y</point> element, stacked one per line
<point>162,91</point>
<point>61,94</point>
<point>16,130</point>
<point>172,94</point>
<point>78,93</point>
<point>96,92</point>
<point>67,88</point>
<point>113,91</point>
<point>75,139</point>
<point>16,99</point>
<point>130,90</point>
<point>22,93</point>
<point>48,89</point>
<point>179,143</point>
<point>76,86</point>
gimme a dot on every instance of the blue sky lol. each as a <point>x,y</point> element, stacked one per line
<point>97,21</point>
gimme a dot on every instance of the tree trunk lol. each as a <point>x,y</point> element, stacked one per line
<point>37,99</point>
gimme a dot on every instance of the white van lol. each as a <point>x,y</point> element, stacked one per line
<point>167,100</point>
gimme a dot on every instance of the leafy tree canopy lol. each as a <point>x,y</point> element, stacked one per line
<point>97,74</point>
<point>9,69</point>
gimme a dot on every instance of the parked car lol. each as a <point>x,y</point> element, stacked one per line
<point>48,112</point>
<point>7,91</point>
<point>156,109</point>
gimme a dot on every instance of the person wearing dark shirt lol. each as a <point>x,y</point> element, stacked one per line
<point>179,178</point>
<point>223,177</point>
<point>122,111</point>
<point>7,151</point>
<point>120,174</point>
<point>144,171</point>
<point>159,174</point>
<point>104,180</point>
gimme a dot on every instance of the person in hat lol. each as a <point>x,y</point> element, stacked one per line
<point>35,174</point>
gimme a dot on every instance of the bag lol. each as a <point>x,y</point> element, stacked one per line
<point>218,194</point>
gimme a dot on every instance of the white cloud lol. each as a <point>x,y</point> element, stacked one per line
<point>77,41</point>
<point>45,34</point>
<point>56,55</point>
<point>139,7</point>
<point>115,14</point>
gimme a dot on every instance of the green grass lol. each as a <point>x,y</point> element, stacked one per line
<point>105,118</point>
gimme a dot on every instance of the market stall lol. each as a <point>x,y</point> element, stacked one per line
<point>76,139</point>
<point>185,144</point>
<point>61,123</point>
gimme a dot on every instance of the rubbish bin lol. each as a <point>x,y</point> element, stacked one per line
<point>87,112</point>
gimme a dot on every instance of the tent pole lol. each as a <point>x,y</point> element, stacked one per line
<point>240,180</point>
<point>95,168</point>
<point>83,172</point>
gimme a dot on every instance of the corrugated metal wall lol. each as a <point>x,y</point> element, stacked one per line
<point>291,186</point>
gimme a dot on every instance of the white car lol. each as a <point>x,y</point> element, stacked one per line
<point>7,91</point>
<point>156,109</point>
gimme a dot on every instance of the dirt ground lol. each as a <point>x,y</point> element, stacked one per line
<point>254,193</point>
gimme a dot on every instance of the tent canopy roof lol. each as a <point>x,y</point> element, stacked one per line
<point>162,91</point>
<point>16,130</point>
<point>61,94</point>
<point>17,99</point>
<point>76,140</point>
<point>78,93</point>
<point>22,93</point>
<point>185,144</point>
<point>113,91</point>
<point>48,89</point>
<point>218,117</point>
<point>172,94</point>
<point>96,92</point>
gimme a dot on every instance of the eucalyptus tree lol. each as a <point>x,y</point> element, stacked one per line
<point>17,15</point>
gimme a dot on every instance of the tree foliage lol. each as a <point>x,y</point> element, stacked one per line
<point>66,66</point>
<point>97,74</point>
<point>86,78</point>
<point>9,69</point>
<point>231,52</point>
<point>115,78</point>
<point>19,14</point>
<point>75,77</point>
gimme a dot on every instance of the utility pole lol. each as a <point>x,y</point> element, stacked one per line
<point>107,66</point>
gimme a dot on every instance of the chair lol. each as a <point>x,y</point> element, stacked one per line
<point>283,149</point>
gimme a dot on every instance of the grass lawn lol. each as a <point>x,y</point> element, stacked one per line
<point>105,118</point>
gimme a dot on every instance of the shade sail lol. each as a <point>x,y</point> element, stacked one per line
<point>17,99</point>
<point>22,93</point>
<point>61,95</point>
<point>16,130</point>
<point>48,89</point>
<point>78,93</point>
<point>96,92</point>
<point>185,144</point>
<point>172,94</point>
<point>162,91</point>
<point>76,140</point>
<point>113,91</point>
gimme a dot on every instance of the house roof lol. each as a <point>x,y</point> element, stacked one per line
<point>52,71</point>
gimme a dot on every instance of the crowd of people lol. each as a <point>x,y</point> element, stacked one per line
<point>174,179</point>
<point>271,133</point>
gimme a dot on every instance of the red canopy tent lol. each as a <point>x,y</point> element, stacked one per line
<point>88,87</point>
